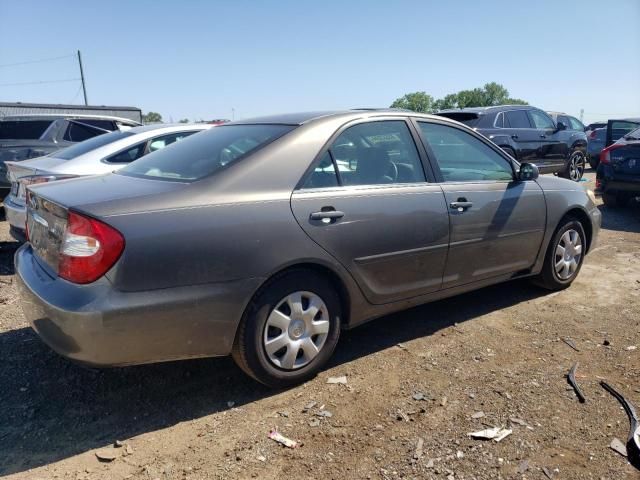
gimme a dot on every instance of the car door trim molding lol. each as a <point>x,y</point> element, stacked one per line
<point>382,257</point>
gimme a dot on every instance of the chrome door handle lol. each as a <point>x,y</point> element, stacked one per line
<point>461,206</point>
<point>542,135</point>
<point>329,215</point>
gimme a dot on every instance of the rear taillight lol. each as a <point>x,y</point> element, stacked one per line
<point>89,249</point>
<point>605,156</point>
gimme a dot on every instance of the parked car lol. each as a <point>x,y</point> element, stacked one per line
<point>610,132</point>
<point>529,134</point>
<point>572,123</point>
<point>103,154</point>
<point>618,175</point>
<point>249,240</point>
<point>28,136</point>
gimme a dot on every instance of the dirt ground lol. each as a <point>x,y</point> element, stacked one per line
<point>416,384</point>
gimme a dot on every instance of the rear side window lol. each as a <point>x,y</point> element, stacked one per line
<point>166,140</point>
<point>23,130</point>
<point>81,131</point>
<point>462,157</point>
<point>128,155</point>
<point>516,119</point>
<point>202,155</point>
<point>576,124</point>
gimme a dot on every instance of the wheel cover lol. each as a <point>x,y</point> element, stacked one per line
<point>296,330</point>
<point>576,166</point>
<point>568,254</point>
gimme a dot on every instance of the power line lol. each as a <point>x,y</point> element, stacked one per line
<point>28,62</point>
<point>39,82</point>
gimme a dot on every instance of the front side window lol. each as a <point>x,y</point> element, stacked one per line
<point>324,174</point>
<point>516,119</point>
<point>377,153</point>
<point>463,157</point>
<point>541,121</point>
<point>204,154</point>
<point>576,124</point>
<point>565,120</point>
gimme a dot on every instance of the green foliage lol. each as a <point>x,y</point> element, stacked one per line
<point>490,95</point>
<point>417,101</point>
<point>152,117</point>
<point>184,120</point>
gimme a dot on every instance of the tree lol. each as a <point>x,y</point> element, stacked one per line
<point>416,101</point>
<point>152,117</point>
<point>184,120</point>
<point>490,95</point>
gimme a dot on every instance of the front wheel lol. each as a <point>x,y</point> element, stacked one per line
<point>575,166</point>
<point>289,330</point>
<point>564,256</point>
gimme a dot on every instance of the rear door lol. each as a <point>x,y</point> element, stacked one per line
<point>616,129</point>
<point>497,222</point>
<point>525,137</point>
<point>368,203</point>
<point>552,150</point>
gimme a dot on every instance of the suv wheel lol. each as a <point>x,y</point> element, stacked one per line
<point>564,256</point>
<point>575,166</point>
<point>289,330</point>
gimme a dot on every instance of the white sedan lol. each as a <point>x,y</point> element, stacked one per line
<point>102,154</point>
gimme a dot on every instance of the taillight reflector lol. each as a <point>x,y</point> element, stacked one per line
<point>89,249</point>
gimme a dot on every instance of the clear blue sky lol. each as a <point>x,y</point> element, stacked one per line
<point>200,59</point>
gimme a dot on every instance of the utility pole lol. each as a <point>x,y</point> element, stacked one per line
<point>84,88</point>
<point>581,115</point>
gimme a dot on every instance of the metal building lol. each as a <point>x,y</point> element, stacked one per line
<point>20,108</point>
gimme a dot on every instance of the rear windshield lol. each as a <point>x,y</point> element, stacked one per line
<point>23,130</point>
<point>469,119</point>
<point>91,144</point>
<point>203,154</point>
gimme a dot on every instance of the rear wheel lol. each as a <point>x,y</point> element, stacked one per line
<point>564,256</point>
<point>289,330</point>
<point>594,162</point>
<point>575,166</point>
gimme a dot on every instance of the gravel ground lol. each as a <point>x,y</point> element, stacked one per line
<point>417,383</point>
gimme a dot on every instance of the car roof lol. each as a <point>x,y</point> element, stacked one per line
<point>301,118</point>
<point>482,110</point>
<point>56,116</point>
<point>170,127</point>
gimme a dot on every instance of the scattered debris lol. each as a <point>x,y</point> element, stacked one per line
<point>477,415</point>
<point>325,414</point>
<point>341,380</point>
<point>314,422</point>
<point>547,473</point>
<point>402,416</point>
<point>401,346</point>
<point>524,466</point>
<point>418,453</point>
<point>230,404</point>
<point>429,463</point>
<point>606,342</point>
<point>118,443</point>
<point>571,378</point>
<point>281,439</point>
<point>459,454</point>
<point>496,434</point>
<point>571,343</point>
<point>443,402</point>
<point>106,455</point>
<point>419,396</point>
<point>309,406</point>
<point>633,442</point>
<point>631,348</point>
<point>262,458</point>
<point>617,446</point>
<point>128,449</point>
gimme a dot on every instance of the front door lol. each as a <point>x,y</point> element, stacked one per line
<point>496,222</point>
<point>367,202</point>
<point>552,151</point>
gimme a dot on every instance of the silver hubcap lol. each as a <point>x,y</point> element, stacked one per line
<point>576,167</point>
<point>568,254</point>
<point>296,330</point>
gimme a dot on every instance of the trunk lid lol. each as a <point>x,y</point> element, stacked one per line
<point>625,160</point>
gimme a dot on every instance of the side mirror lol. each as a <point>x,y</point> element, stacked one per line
<point>561,126</point>
<point>528,171</point>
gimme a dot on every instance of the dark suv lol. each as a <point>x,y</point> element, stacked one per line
<point>530,135</point>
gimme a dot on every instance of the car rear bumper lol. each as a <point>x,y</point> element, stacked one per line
<point>610,181</point>
<point>99,326</point>
<point>16,214</point>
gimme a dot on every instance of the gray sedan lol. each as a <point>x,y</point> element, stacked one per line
<point>265,238</point>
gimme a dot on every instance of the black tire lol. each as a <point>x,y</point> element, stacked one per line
<point>509,151</point>
<point>548,277</point>
<point>249,352</point>
<point>574,169</point>
<point>594,162</point>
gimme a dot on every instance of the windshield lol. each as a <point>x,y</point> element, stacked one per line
<point>23,129</point>
<point>203,154</point>
<point>633,135</point>
<point>91,144</point>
